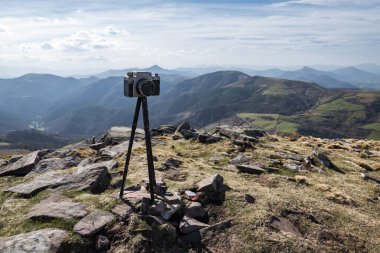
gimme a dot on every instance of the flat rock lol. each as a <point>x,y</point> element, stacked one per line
<point>57,206</point>
<point>171,163</point>
<point>120,133</point>
<point>110,165</point>
<point>240,158</point>
<point>22,166</point>
<point>284,225</point>
<point>117,150</point>
<point>204,233</point>
<point>163,129</point>
<point>93,223</point>
<point>188,225</point>
<point>46,240</point>
<point>250,169</point>
<point>55,164</point>
<point>184,126</point>
<point>122,211</point>
<point>93,177</point>
<point>208,139</point>
<point>187,134</point>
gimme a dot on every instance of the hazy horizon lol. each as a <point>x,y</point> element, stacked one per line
<point>84,37</point>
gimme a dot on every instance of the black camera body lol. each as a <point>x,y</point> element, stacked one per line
<point>141,84</point>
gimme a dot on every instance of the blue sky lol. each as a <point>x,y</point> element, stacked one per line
<point>84,36</point>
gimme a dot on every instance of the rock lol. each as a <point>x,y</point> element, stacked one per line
<point>250,169</point>
<point>117,150</point>
<point>239,133</point>
<point>57,206</point>
<point>46,240</point>
<point>119,134</point>
<point>110,165</point>
<point>204,233</point>
<point>290,156</point>
<point>208,139</point>
<point>63,153</point>
<point>171,163</point>
<point>188,225</point>
<point>284,225</point>
<point>163,129</point>
<point>93,223</point>
<point>93,177</point>
<point>187,134</point>
<point>102,243</point>
<point>122,211</point>
<point>184,126</point>
<point>14,158</point>
<point>97,146</point>
<point>55,164</point>
<point>249,198</point>
<point>293,166</point>
<point>211,184</point>
<point>196,211</point>
<point>366,167</point>
<point>22,166</point>
<point>324,160</point>
<point>175,175</point>
<point>240,158</point>
<point>371,178</point>
<point>212,188</point>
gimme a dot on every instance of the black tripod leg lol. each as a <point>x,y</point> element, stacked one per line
<point>149,154</point>
<point>130,144</point>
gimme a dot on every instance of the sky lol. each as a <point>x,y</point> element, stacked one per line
<point>72,37</point>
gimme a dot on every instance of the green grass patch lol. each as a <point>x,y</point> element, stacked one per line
<point>339,105</point>
<point>287,127</point>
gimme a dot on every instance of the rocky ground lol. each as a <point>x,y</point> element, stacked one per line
<point>232,190</point>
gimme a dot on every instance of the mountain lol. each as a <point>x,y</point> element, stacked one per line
<point>27,97</point>
<point>153,69</point>
<point>369,67</point>
<point>360,78</point>
<point>320,77</point>
<point>214,96</point>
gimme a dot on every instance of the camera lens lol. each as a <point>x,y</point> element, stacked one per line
<point>146,88</point>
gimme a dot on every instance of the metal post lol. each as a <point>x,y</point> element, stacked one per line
<point>130,144</point>
<point>149,154</point>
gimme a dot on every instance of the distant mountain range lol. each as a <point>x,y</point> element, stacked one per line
<point>81,107</point>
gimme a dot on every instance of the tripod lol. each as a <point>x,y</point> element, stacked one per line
<point>148,144</point>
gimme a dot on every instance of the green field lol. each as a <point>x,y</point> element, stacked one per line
<point>375,130</point>
<point>271,122</point>
<point>339,105</point>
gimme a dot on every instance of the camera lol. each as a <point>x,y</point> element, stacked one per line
<point>141,84</point>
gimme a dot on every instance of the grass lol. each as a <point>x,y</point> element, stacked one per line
<point>339,105</point>
<point>327,196</point>
<point>272,122</point>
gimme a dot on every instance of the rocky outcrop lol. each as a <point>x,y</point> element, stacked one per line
<point>212,188</point>
<point>250,169</point>
<point>119,134</point>
<point>93,223</point>
<point>57,206</point>
<point>48,240</point>
<point>22,166</point>
<point>118,150</point>
<point>50,164</point>
<point>93,177</point>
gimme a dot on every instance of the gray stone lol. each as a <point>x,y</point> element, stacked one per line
<point>122,211</point>
<point>120,134</point>
<point>241,133</point>
<point>22,166</point>
<point>65,152</point>
<point>163,129</point>
<point>46,240</point>
<point>188,225</point>
<point>250,169</point>
<point>204,233</point>
<point>208,139</point>
<point>284,225</point>
<point>57,206</point>
<point>211,184</point>
<point>187,134</point>
<point>171,163</point>
<point>240,158</point>
<point>325,161</point>
<point>117,150</point>
<point>93,223</point>
<point>14,158</point>
<point>97,146</point>
<point>293,166</point>
<point>184,126</point>
<point>196,211</point>
<point>93,177</point>
<point>55,164</point>
<point>102,243</point>
<point>110,165</point>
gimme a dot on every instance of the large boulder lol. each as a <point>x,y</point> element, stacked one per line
<point>94,178</point>
<point>22,166</point>
<point>212,188</point>
<point>184,126</point>
<point>163,129</point>
<point>93,223</point>
<point>57,206</point>
<point>48,240</point>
